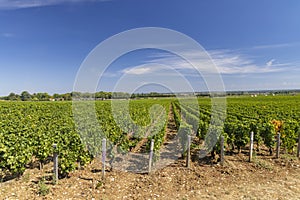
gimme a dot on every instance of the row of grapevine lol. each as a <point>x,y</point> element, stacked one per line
<point>29,129</point>
<point>258,115</point>
<point>245,115</point>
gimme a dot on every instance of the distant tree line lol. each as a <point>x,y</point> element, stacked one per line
<point>26,96</point>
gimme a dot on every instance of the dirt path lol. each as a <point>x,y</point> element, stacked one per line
<point>169,152</point>
<point>265,178</point>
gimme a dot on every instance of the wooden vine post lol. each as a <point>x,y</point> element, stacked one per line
<point>151,156</point>
<point>55,164</point>
<point>298,150</point>
<point>251,145</point>
<point>188,151</point>
<point>278,145</point>
<point>103,157</point>
<point>222,150</point>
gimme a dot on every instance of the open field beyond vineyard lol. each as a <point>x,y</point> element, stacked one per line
<point>29,129</point>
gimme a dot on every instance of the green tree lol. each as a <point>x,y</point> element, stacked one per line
<point>25,96</point>
<point>13,97</point>
<point>43,96</point>
<point>67,97</point>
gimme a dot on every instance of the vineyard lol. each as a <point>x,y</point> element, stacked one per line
<point>29,129</point>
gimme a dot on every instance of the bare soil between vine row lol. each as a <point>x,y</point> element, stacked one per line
<point>264,178</point>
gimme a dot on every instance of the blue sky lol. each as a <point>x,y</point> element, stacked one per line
<point>255,44</point>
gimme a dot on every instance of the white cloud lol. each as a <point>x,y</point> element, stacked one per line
<point>227,62</point>
<point>17,4</point>
<point>239,71</point>
<point>138,70</point>
<point>270,62</point>
<point>271,46</point>
<point>236,63</point>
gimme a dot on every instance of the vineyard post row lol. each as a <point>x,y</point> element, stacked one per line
<point>55,154</point>
<point>188,112</point>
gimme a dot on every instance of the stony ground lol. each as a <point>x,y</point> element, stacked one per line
<point>264,178</point>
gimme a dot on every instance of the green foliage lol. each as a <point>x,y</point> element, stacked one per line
<point>184,131</point>
<point>177,117</point>
<point>246,114</point>
<point>241,135</point>
<point>268,133</point>
<point>43,189</point>
<point>28,129</point>
<point>289,135</point>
